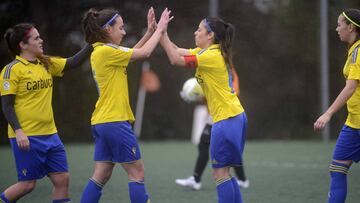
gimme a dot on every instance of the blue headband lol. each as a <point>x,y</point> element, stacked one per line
<point>110,21</point>
<point>208,28</point>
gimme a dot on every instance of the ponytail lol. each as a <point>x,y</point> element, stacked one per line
<point>224,34</point>
<point>227,42</point>
<point>93,24</point>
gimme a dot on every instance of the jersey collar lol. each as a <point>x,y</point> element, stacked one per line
<point>22,60</point>
<point>214,46</point>
<point>357,43</point>
<point>97,44</point>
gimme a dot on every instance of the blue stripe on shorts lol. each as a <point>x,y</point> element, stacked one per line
<point>228,141</point>
<point>115,142</point>
<point>46,155</point>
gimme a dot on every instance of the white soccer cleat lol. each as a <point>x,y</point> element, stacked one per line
<point>189,182</point>
<point>243,184</point>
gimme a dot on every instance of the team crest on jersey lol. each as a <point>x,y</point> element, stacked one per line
<point>133,150</point>
<point>124,49</point>
<point>24,171</point>
<point>6,86</point>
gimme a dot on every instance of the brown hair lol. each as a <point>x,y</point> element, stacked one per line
<point>224,34</point>
<point>20,33</point>
<point>93,22</point>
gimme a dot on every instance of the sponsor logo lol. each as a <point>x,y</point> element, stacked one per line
<point>133,150</point>
<point>39,84</point>
<point>6,85</point>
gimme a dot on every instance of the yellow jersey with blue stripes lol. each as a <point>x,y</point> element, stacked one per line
<point>32,86</point>
<point>351,71</point>
<point>109,66</point>
<point>215,78</point>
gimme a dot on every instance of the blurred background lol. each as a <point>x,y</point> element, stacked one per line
<point>276,54</point>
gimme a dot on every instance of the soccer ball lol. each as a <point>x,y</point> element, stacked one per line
<point>191,91</point>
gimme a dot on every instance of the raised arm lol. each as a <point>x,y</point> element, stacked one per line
<point>146,50</point>
<point>75,61</point>
<point>175,54</point>
<point>151,23</point>
<point>339,102</point>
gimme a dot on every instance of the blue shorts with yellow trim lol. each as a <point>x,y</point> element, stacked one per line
<point>115,142</point>
<point>348,144</point>
<point>46,155</point>
<point>228,141</point>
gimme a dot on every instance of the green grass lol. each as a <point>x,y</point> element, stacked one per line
<point>279,172</point>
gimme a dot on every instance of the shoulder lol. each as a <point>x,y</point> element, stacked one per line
<point>355,55</point>
<point>10,67</point>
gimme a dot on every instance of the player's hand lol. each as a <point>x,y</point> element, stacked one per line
<point>22,140</point>
<point>322,121</point>
<point>151,21</point>
<point>164,20</point>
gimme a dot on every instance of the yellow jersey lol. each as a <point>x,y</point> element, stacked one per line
<point>32,86</point>
<point>108,64</point>
<point>216,81</point>
<point>351,71</point>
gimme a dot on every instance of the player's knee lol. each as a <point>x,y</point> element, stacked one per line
<point>62,180</point>
<point>137,173</point>
<point>345,162</point>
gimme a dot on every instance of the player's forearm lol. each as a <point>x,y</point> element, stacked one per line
<point>171,50</point>
<point>143,40</point>
<point>75,61</point>
<point>7,102</point>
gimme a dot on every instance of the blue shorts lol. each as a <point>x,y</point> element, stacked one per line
<point>228,141</point>
<point>115,142</point>
<point>348,145</point>
<point>46,155</point>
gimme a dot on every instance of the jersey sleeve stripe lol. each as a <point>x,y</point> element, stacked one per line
<point>355,54</point>
<point>112,45</point>
<point>8,69</point>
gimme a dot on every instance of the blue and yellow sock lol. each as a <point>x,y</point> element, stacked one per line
<point>338,185</point>
<point>3,199</point>
<point>92,192</point>
<point>137,192</point>
<point>65,200</point>
<point>238,198</point>
<point>225,190</point>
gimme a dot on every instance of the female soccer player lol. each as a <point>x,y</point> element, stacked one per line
<point>115,141</point>
<point>347,149</point>
<point>212,59</point>
<point>194,181</point>
<point>26,93</point>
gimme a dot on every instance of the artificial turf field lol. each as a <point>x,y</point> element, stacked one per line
<point>279,172</point>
